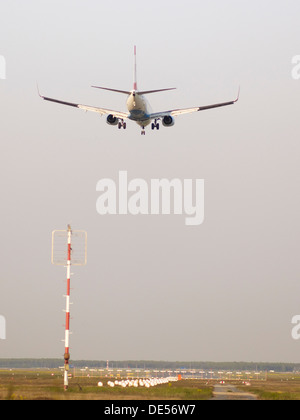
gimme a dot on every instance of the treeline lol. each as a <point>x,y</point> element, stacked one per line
<point>152,365</point>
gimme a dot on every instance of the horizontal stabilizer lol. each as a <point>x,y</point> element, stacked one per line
<point>113,90</point>
<point>146,92</point>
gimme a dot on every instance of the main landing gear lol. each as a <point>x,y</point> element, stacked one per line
<point>155,125</point>
<point>122,124</point>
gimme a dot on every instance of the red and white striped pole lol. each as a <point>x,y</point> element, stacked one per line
<point>67,332</point>
<point>79,258</point>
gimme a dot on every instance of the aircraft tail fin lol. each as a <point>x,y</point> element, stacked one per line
<point>135,89</point>
<point>135,71</point>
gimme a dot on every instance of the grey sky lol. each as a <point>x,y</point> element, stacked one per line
<point>153,287</point>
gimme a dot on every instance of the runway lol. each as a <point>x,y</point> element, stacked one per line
<point>229,392</point>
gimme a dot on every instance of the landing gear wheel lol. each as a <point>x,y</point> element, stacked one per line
<point>122,124</point>
<point>155,125</point>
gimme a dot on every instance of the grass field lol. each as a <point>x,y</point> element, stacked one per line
<point>48,385</point>
<point>277,387</point>
<point>33,385</point>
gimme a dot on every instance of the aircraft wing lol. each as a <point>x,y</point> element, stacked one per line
<point>176,112</point>
<point>101,111</point>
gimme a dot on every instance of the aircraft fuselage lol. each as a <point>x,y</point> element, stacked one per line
<point>138,108</point>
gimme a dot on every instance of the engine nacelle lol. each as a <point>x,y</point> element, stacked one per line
<point>168,121</point>
<point>111,120</point>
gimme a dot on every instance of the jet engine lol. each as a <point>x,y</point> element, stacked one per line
<point>168,121</point>
<point>111,120</point>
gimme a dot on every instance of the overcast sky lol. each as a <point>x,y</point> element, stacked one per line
<point>153,287</point>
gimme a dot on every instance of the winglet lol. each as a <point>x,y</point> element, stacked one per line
<point>38,90</point>
<point>238,97</point>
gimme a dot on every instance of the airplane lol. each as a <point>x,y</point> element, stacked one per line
<point>138,107</point>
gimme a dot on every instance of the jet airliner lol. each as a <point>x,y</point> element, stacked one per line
<point>138,107</point>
